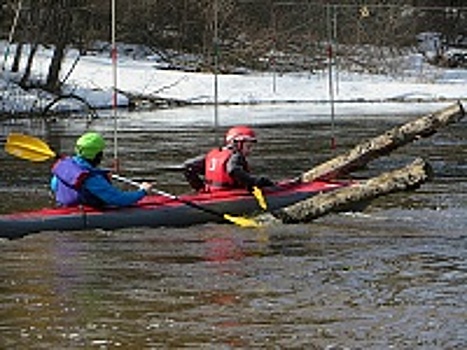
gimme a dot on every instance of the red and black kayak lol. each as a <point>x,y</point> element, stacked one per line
<point>159,211</point>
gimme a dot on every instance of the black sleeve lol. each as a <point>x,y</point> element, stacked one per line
<point>236,168</point>
<point>194,172</point>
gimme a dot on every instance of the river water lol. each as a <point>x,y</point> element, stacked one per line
<point>392,276</point>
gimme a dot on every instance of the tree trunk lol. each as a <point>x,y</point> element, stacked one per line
<point>27,72</point>
<point>62,19</point>
<point>384,144</point>
<point>17,59</point>
<point>404,179</point>
<point>53,83</point>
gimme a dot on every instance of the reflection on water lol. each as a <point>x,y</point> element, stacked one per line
<point>391,277</point>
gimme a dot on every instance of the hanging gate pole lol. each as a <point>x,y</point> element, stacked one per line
<point>330,75</point>
<point>10,36</point>
<point>216,68</point>
<point>116,164</point>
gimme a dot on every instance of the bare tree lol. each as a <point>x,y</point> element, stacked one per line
<point>247,31</point>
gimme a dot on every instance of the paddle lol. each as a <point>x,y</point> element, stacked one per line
<point>28,147</point>
<point>33,149</point>
<point>260,197</point>
<point>243,222</point>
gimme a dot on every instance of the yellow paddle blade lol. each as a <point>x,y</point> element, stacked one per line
<point>260,198</point>
<point>28,147</point>
<point>242,222</point>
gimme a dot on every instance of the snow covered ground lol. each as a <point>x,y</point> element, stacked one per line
<point>92,79</point>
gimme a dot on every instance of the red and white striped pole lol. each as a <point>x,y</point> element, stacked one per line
<point>331,95</point>
<point>116,165</point>
<point>330,75</point>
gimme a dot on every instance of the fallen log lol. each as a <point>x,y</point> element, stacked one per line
<point>384,144</point>
<point>407,178</point>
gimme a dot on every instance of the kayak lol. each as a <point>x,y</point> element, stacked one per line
<point>160,211</point>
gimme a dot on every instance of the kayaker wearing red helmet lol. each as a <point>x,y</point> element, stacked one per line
<point>78,180</point>
<point>226,167</point>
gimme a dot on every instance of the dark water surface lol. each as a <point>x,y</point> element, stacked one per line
<point>394,276</point>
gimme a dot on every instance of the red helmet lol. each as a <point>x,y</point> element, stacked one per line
<point>240,133</point>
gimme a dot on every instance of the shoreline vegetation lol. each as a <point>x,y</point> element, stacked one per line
<point>144,84</point>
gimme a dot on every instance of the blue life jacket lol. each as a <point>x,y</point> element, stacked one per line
<point>69,189</point>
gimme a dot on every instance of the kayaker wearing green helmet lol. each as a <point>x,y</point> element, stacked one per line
<point>78,180</point>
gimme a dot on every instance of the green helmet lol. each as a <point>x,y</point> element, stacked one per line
<point>89,145</point>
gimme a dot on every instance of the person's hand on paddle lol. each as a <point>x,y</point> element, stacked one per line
<point>146,187</point>
<point>263,182</point>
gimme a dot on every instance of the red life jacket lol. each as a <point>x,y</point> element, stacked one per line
<point>216,176</point>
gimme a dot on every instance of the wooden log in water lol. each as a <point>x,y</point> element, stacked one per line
<point>384,144</point>
<point>409,177</point>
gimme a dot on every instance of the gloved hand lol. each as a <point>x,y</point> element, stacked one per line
<point>263,182</point>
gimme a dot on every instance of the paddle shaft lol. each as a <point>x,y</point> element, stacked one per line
<point>168,195</point>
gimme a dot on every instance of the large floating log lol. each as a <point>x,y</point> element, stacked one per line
<point>384,144</point>
<point>407,178</point>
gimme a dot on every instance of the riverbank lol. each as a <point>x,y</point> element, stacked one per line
<point>145,83</point>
